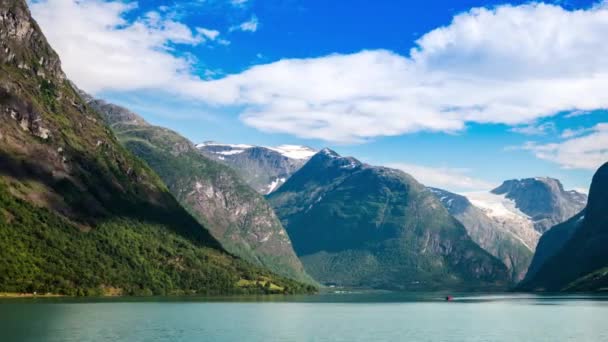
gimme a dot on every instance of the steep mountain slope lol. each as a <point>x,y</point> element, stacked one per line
<point>552,241</point>
<point>78,213</point>
<point>358,225</point>
<point>235,214</point>
<point>264,168</point>
<point>488,233</point>
<point>582,263</point>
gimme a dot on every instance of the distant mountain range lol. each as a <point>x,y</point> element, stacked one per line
<point>354,224</point>
<point>573,256</point>
<point>507,222</point>
<point>264,168</point>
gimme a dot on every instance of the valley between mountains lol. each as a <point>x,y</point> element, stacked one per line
<point>94,200</point>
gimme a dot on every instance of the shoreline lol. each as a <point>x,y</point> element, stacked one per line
<point>29,295</point>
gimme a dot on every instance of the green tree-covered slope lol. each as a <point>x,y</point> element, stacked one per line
<point>79,214</point>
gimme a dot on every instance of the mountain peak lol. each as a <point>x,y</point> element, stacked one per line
<point>23,44</point>
<point>114,114</point>
<point>329,153</point>
<point>332,159</point>
<point>511,185</point>
<point>543,199</point>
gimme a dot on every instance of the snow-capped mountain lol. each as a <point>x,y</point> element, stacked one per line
<point>543,200</point>
<point>509,220</point>
<point>528,207</point>
<point>494,228</point>
<point>264,168</point>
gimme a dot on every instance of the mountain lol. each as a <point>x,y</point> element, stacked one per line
<point>542,199</point>
<point>264,168</point>
<point>358,225</point>
<point>527,207</point>
<point>79,214</point>
<point>488,233</point>
<point>581,264</point>
<point>237,216</point>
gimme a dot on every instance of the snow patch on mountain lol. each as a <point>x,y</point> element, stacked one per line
<point>212,143</point>
<point>294,151</point>
<point>495,205</point>
<point>230,152</point>
<point>289,151</point>
<point>507,216</point>
<point>275,184</point>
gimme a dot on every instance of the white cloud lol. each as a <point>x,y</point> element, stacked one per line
<point>250,25</point>
<point>238,3</point>
<point>100,50</point>
<point>452,179</point>
<point>510,65</point>
<point>577,113</point>
<point>575,132</point>
<point>207,33</point>
<point>541,129</point>
<point>583,152</point>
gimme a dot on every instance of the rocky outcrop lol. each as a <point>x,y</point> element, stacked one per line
<point>23,46</point>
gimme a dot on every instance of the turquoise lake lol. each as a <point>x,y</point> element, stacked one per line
<point>327,317</point>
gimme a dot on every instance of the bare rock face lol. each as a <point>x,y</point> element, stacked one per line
<point>23,45</point>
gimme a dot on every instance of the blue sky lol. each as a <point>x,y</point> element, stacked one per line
<point>491,91</point>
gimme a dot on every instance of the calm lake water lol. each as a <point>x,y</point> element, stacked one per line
<point>327,317</point>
